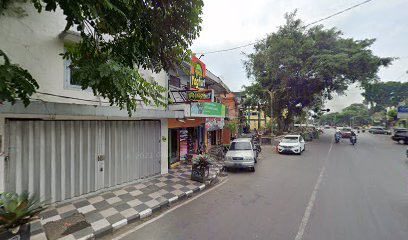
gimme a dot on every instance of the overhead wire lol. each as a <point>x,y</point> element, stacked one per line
<point>307,25</point>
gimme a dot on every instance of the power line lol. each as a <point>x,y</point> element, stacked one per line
<point>338,13</point>
<point>312,23</point>
<point>230,49</point>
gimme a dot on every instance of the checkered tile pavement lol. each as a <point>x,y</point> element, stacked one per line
<point>108,211</point>
<point>184,170</point>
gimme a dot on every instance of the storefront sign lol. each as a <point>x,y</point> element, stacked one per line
<point>402,112</point>
<point>205,95</point>
<point>207,109</point>
<point>212,124</point>
<point>198,73</point>
<point>403,109</point>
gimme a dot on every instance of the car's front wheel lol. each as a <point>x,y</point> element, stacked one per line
<point>401,141</point>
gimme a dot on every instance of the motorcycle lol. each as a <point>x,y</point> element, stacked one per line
<point>353,140</point>
<point>258,147</point>
<point>337,138</point>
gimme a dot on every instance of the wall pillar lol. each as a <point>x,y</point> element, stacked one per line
<point>164,146</point>
<point>2,154</point>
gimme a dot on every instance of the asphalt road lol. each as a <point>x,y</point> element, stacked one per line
<point>332,191</point>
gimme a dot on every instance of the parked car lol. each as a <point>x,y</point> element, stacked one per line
<point>345,132</point>
<point>400,137</point>
<point>241,154</point>
<point>292,144</point>
<point>327,126</point>
<point>379,130</point>
<point>398,129</point>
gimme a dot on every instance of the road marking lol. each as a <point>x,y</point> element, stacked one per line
<point>309,208</point>
<point>138,227</point>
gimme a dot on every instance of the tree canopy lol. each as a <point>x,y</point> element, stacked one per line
<point>356,113</point>
<point>118,37</point>
<point>385,94</point>
<point>304,66</point>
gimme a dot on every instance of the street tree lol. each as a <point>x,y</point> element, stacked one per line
<point>385,94</point>
<point>304,65</point>
<point>117,38</point>
<point>356,113</point>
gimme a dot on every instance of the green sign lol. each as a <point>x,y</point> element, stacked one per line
<point>207,109</point>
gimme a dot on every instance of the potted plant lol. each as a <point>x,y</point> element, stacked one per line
<point>16,212</point>
<point>200,169</point>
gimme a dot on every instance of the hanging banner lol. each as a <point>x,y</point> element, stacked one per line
<point>204,95</point>
<point>212,124</point>
<point>207,109</point>
<point>198,73</point>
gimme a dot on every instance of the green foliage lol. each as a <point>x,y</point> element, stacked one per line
<point>232,126</point>
<point>15,82</point>
<point>392,114</point>
<point>306,65</point>
<point>379,117</point>
<point>356,113</point>
<point>203,161</point>
<point>16,210</point>
<point>119,37</point>
<point>385,94</point>
<point>13,8</point>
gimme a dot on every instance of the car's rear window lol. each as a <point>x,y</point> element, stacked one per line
<point>240,146</point>
<point>290,139</point>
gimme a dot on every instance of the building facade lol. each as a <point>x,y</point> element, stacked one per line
<point>69,142</point>
<point>204,116</point>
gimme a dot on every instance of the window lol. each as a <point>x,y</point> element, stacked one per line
<point>174,82</point>
<point>69,81</point>
<point>240,146</point>
<point>254,113</point>
<point>290,140</point>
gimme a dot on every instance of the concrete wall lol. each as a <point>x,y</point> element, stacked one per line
<point>33,43</point>
<point>2,155</point>
<point>164,146</point>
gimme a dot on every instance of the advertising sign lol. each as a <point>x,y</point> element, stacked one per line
<point>207,109</point>
<point>204,95</point>
<point>198,73</point>
<point>212,124</point>
<point>402,112</point>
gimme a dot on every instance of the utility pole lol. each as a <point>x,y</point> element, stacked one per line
<point>259,116</point>
<point>271,95</point>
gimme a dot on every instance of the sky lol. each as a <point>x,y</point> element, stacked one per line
<point>228,24</point>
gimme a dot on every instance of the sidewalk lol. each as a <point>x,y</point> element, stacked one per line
<point>105,212</point>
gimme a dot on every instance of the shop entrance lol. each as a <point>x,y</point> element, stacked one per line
<point>174,153</point>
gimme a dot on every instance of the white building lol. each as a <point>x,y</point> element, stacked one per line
<point>68,142</point>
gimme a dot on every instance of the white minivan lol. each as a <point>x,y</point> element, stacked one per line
<point>241,154</point>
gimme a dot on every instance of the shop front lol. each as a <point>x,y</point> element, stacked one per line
<point>214,129</point>
<point>186,138</point>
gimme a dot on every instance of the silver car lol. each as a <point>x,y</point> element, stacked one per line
<point>241,154</point>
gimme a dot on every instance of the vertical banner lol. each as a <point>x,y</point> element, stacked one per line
<point>198,73</point>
